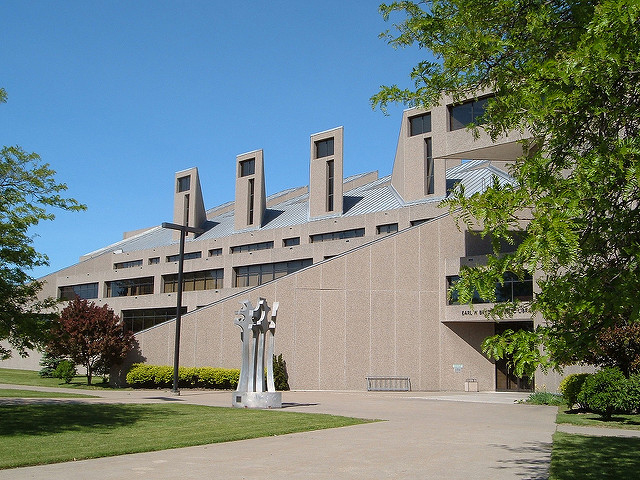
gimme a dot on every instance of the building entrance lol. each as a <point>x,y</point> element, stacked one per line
<point>506,380</point>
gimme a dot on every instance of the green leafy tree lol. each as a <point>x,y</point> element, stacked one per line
<point>566,73</point>
<point>28,191</point>
<point>90,335</point>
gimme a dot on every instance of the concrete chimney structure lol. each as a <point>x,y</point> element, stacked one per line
<point>188,204</point>
<point>251,199</point>
<point>325,173</point>
<point>416,172</point>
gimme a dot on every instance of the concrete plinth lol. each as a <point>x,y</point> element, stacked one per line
<point>257,399</point>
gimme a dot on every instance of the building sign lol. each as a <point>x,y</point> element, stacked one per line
<point>520,310</point>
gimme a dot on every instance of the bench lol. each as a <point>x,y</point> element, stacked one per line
<point>388,384</point>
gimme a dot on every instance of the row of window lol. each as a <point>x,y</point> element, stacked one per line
<point>510,290</point>
<point>129,264</point>
<point>254,275</point>
<point>141,319</point>
<point>204,280</point>
<point>187,256</point>
<point>245,276</point>
<point>251,247</point>
<point>86,291</point>
<point>156,260</point>
<point>460,116</point>
<point>324,237</point>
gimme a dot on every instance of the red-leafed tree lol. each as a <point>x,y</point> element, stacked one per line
<point>90,335</point>
<point>618,346</point>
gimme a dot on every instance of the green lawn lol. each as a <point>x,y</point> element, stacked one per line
<point>630,422</point>
<point>19,393</point>
<point>33,434</point>
<point>582,457</point>
<point>30,377</point>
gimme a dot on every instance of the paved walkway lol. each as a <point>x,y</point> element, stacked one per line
<point>425,435</point>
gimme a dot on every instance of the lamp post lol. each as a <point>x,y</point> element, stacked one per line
<point>184,229</point>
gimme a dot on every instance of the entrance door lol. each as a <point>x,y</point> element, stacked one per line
<point>506,380</point>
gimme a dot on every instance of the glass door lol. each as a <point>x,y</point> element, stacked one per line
<point>506,380</point>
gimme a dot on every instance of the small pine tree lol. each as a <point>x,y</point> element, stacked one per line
<point>49,363</point>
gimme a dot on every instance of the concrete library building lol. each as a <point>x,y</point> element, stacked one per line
<point>360,266</point>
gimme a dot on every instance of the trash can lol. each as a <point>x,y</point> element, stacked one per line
<point>471,385</point>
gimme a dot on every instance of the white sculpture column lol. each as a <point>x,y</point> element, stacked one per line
<point>258,341</point>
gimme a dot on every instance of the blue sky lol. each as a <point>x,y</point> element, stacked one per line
<point>118,96</point>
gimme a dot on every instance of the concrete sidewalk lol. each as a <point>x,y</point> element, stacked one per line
<point>426,435</point>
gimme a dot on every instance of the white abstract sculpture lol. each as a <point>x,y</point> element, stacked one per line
<point>258,343</point>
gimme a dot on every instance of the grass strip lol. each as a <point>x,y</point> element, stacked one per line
<point>583,457</point>
<point>33,434</point>
<point>20,393</point>
<point>629,422</point>
<point>31,377</point>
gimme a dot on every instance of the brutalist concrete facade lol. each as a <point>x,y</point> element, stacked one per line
<point>369,258</point>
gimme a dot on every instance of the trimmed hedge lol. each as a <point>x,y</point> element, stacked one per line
<point>141,375</point>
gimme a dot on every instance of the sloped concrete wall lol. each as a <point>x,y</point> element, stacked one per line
<point>375,310</point>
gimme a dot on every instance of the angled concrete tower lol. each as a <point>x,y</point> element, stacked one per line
<point>188,204</point>
<point>251,199</point>
<point>325,173</point>
<point>416,171</point>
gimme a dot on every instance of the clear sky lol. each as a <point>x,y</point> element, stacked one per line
<point>119,95</point>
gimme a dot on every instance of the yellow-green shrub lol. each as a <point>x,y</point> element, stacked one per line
<point>141,375</point>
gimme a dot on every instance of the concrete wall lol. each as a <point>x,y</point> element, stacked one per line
<point>375,310</point>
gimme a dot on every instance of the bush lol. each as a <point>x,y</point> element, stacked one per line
<point>65,370</point>
<point>142,375</point>
<point>545,398</point>
<point>570,388</point>
<point>633,393</point>
<point>605,392</point>
<point>221,378</point>
<point>280,375</point>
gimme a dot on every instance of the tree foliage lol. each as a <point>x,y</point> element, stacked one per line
<point>28,190</point>
<point>618,346</point>
<point>89,335</point>
<point>567,74</point>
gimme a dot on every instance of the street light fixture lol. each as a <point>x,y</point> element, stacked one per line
<point>184,229</point>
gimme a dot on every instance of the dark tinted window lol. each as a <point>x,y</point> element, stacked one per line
<point>468,112</point>
<point>85,291</point>
<point>247,167</point>
<point>420,124</point>
<point>184,183</point>
<point>324,148</point>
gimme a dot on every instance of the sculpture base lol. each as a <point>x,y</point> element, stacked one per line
<point>257,399</point>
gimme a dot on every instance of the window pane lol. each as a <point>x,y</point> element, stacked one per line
<point>461,115</point>
<point>479,109</point>
<point>247,167</point>
<point>184,183</point>
<point>420,124</point>
<point>324,148</point>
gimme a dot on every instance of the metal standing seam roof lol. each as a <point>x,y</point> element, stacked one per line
<point>378,195</point>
